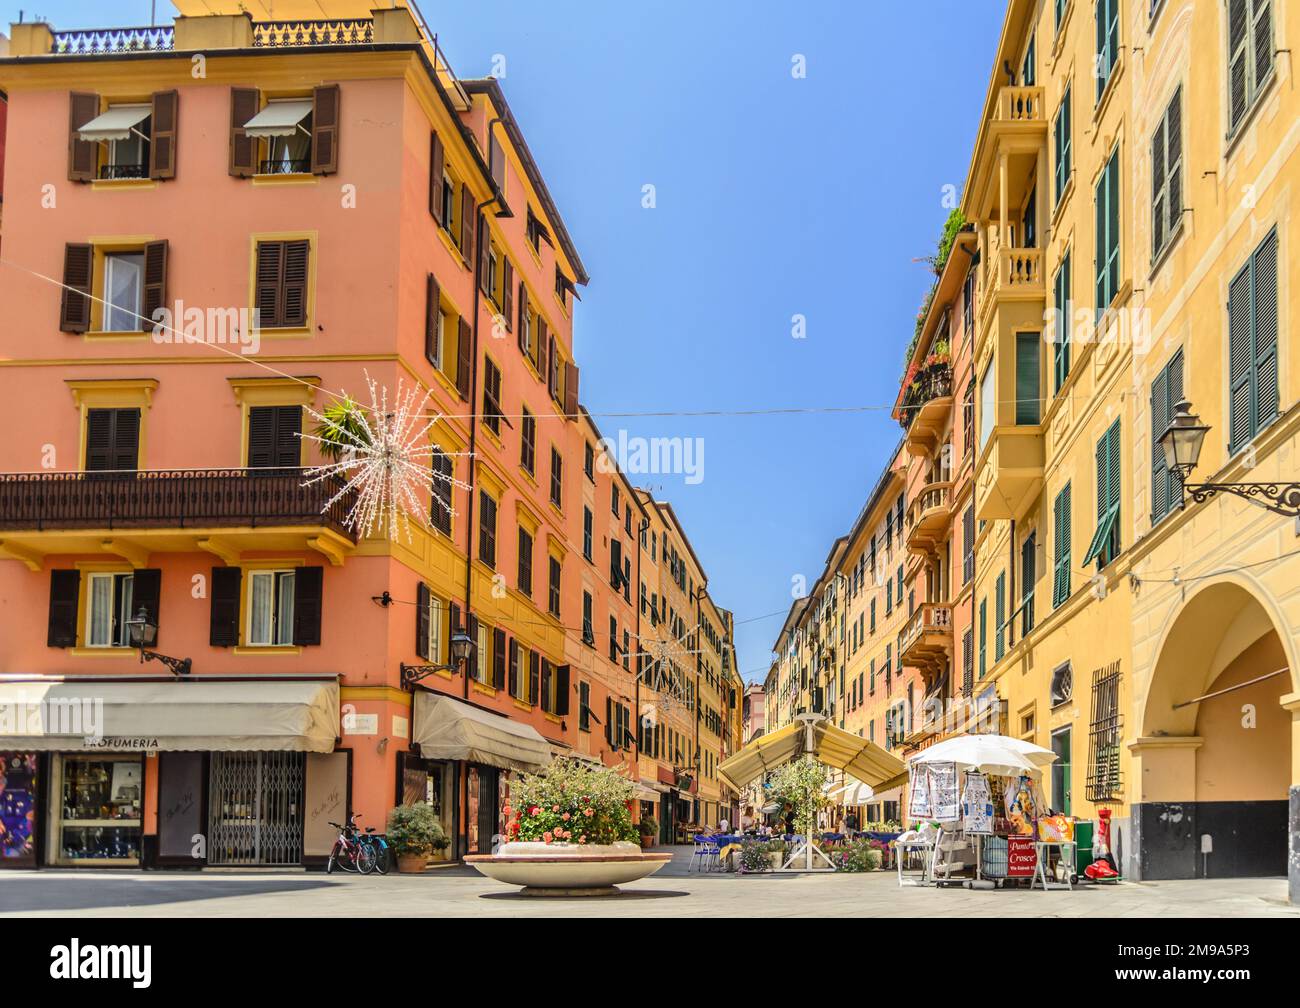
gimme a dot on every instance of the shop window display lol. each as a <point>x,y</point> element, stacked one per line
<point>18,783</point>
<point>97,800</point>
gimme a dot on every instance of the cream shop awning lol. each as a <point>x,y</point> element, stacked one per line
<point>226,714</point>
<point>446,729</point>
<point>832,746</point>
<point>117,123</point>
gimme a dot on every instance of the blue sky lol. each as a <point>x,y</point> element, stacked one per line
<point>774,197</point>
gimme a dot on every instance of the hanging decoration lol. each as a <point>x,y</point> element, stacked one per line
<point>670,687</point>
<point>384,459</point>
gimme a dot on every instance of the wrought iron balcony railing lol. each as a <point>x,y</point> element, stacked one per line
<point>929,383</point>
<point>169,498</point>
<point>284,166</point>
<point>282,34</point>
<point>123,171</point>
<point>97,41</point>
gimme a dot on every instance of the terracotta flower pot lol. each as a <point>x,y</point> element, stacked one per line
<point>647,841</point>
<point>412,864</point>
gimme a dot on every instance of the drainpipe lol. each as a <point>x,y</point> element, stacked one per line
<point>1011,583</point>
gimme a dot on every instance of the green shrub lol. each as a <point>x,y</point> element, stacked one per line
<point>859,856</point>
<point>415,829</point>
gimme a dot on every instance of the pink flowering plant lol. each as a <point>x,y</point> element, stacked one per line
<point>572,803</point>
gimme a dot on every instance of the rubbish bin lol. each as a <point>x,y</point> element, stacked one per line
<point>1082,844</point>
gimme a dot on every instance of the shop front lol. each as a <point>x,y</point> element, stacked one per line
<point>147,771</point>
<point>471,753</point>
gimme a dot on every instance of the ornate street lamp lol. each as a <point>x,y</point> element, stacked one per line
<point>1182,443</point>
<point>143,633</point>
<point>462,648</point>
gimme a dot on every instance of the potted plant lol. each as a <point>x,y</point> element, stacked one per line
<point>414,833</point>
<point>754,857</point>
<point>776,851</point>
<point>646,829</point>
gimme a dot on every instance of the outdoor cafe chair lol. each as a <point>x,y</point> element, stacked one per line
<point>706,854</point>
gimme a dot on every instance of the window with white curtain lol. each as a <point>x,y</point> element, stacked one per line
<point>270,608</point>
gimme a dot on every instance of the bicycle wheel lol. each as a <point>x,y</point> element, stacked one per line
<point>364,856</point>
<point>381,857</point>
<point>339,860</point>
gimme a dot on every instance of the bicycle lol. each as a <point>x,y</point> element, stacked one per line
<point>351,853</point>
<point>379,843</point>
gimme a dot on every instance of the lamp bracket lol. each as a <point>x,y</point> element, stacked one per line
<point>1280,498</point>
<point>178,666</point>
<point>412,674</point>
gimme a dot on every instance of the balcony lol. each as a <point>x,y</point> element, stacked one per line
<point>928,519</point>
<point>1014,288</point>
<point>925,408</point>
<point>225,512</point>
<point>926,640</point>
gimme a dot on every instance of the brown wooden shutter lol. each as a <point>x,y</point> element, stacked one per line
<point>464,359</point>
<point>83,155</point>
<point>561,690</point>
<point>223,630</point>
<point>267,292</point>
<point>422,620</point>
<point>112,440</point>
<point>74,310</point>
<point>273,437</point>
<point>435,178</point>
<point>325,130</point>
<point>546,685</point>
<point>162,145</point>
<point>146,594</point>
<point>514,668</point>
<point>507,292</point>
<point>244,103</point>
<point>467,223</point>
<point>431,319</point>
<point>571,391</point>
<point>155,282</point>
<point>293,288</point>
<point>534,677</point>
<point>539,347</point>
<point>498,658</point>
<point>484,257</point>
<point>522,326</point>
<point>65,589</point>
<point>308,584</point>
<point>609,722</point>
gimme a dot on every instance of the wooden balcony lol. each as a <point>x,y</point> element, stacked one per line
<point>926,641</point>
<point>929,518</point>
<point>225,512</point>
<point>925,409</point>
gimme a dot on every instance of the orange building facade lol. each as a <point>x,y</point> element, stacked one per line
<point>376,217</point>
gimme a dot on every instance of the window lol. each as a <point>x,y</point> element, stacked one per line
<point>553,588</point>
<point>1063,147</point>
<point>967,663</point>
<point>1107,206</point>
<point>586,532</point>
<point>1058,8</point>
<point>1166,391</point>
<point>528,443</point>
<point>984,636</point>
<point>428,625</point>
<point>1028,396</point>
<point>1107,42</point>
<point>873,616</point>
<point>1000,617</point>
<point>1250,55</point>
<point>557,473</point>
<point>123,287</point>
<point>589,461</point>
<point>436,324</point>
<point>1252,346</point>
<point>588,627</point>
<point>1027,74</point>
<point>614,501</point>
<point>1062,688</point>
<point>584,706</point>
<point>109,597</point>
<point>1063,316</point>
<point>290,153</point>
<point>112,440</point>
<point>1103,782</point>
<point>440,505</point>
<point>274,440</point>
<point>968,545</point>
<point>487,529</point>
<point>270,608</point>
<point>988,404</point>
<point>968,420</point>
<point>899,598</point>
<point>280,291</point>
<point>482,654</point>
<point>1061,556</point>
<point>1105,541</point>
<point>492,396</point>
<point>1166,177</point>
<point>525,561</point>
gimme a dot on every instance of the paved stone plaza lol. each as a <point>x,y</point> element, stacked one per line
<point>462,892</point>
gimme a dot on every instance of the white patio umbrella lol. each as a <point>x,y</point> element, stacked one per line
<point>993,754</point>
<point>852,792</point>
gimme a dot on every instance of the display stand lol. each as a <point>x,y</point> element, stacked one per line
<point>1065,853</point>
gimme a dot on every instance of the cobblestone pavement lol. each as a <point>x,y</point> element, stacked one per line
<point>673,892</point>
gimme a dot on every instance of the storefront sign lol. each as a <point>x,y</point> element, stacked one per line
<point>1021,859</point>
<point>361,724</point>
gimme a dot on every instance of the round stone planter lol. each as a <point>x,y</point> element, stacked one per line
<point>568,869</point>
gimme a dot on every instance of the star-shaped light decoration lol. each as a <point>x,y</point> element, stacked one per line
<point>384,458</point>
<point>670,692</point>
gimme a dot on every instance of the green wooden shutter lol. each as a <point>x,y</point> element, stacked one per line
<point>1264,325</point>
<point>1238,61</point>
<point>1061,553</point>
<point>1000,616</point>
<point>1061,357</point>
<point>1159,424</point>
<point>984,637</point>
<point>1240,353</point>
<point>1028,396</point>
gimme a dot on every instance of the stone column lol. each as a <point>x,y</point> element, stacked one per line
<point>1163,828</point>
